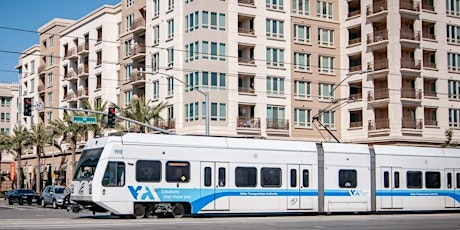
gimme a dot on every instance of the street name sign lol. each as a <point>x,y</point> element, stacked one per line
<point>84,120</point>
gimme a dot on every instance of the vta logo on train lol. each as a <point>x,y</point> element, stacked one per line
<point>144,191</point>
<point>354,192</point>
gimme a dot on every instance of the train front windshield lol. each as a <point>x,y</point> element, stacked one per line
<point>87,164</point>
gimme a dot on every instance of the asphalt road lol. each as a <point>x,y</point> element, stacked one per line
<point>36,217</point>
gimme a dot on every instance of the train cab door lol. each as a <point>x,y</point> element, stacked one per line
<point>299,178</point>
<point>391,183</point>
<point>214,183</point>
<point>452,186</point>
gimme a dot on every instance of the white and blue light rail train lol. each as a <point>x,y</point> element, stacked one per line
<point>170,175</point>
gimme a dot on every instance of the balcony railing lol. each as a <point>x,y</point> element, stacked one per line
<point>245,31</point>
<point>379,124</point>
<point>429,65</point>
<point>82,92</point>
<point>429,93</point>
<point>354,13</point>
<point>356,96</point>
<point>246,60</point>
<point>69,53</point>
<point>410,63</point>
<point>167,124</point>
<point>138,23</point>
<point>427,6</point>
<point>410,34</point>
<point>378,94</point>
<point>41,87</point>
<point>354,41</point>
<point>377,36</point>
<point>41,68</point>
<point>277,124</point>
<point>70,74</point>
<point>377,65</point>
<point>409,123</point>
<point>409,5</point>
<point>246,2</point>
<point>411,93</point>
<point>376,8</point>
<point>136,76</point>
<point>245,122</point>
<point>356,124</point>
<point>355,68</point>
<point>83,69</point>
<point>430,122</point>
<point>84,47</point>
<point>429,36</point>
<point>246,89</point>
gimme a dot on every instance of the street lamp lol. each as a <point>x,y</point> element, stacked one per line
<point>206,96</point>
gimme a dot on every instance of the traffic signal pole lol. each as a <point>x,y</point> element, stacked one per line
<point>41,106</point>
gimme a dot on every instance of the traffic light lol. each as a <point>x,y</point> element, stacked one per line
<point>28,107</point>
<point>111,117</point>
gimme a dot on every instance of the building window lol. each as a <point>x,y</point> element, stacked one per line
<point>217,50</point>
<point>51,41</point>
<point>274,28</point>
<point>274,4</point>
<point>129,47</point>
<point>156,90</point>
<point>324,9</point>
<point>32,67</point>
<point>156,35</point>
<point>301,61</point>
<point>301,7</point>
<point>129,3</point>
<point>275,85</point>
<point>453,8</point>
<point>155,62</point>
<point>302,118</point>
<point>170,86</point>
<point>328,119</point>
<point>192,111</point>
<point>453,62</point>
<point>302,34</point>
<point>128,96</point>
<point>170,5</point>
<point>156,8</point>
<point>325,91</point>
<point>50,116</point>
<point>98,81</point>
<point>51,60</point>
<point>170,57</point>
<point>99,34</point>
<point>302,90</point>
<point>192,51</point>
<point>129,22</point>
<point>191,21</point>
<point>98,57</point>
<point>218,111</point>
<point>275,57</point>
<point>213,20</point>
<point>128,72</point>
<point>326,64</point>
<point>325,37</point>
<point>454,118</point>
<point>453,34</point>
<point>50,79</point>
<point>454,89</point>
<point>170,29</point>
<point>50,98</point>
<point>32,85</point>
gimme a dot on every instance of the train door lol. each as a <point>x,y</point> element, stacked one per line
<point>299,178</point>
<point>214,182</point>
<point>452,186</point>
<point>391,183</point>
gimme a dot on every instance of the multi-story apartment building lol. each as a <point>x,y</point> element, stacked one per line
<point>408,87</point>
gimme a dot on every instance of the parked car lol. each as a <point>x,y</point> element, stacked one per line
<point>54,195</point>
<point>23,196</point>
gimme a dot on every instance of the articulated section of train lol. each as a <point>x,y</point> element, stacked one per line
<point>170,175</point>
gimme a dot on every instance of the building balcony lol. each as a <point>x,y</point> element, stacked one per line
<point>83,49</point>
<point>429,65</point>
<point>82,70</point>
<point>41,88</point>
<point>378,66</point>
<point>138,26</point>
<point>428,6</point>
<point>71,76</point>
<point>278,127</point>
<point>411,126</point>
<point>246,61</point>
<point>379,127</point>
<point>378,94</point>
<point>167,124</point>
<point>377,11</point>
<point>41,68</point>
<point>354,41</point>
<point>411,65</point>
<point>138,52</point>
<point>82,93</point>
<point>356,124</point>
<point>355,68</point>
<point>137,78</point>
<point>409,8</point>
<point>430,122</point>
<point>429,93</point>
<point>246,31</point>
<point>411,93</point>
<point>410,36</point>
<point>356,97</point>
<point>70,96</point>
<point>354,13</point>
<point>248,125</point>
<point>71,54</point>
<point>246,2</point>
<point>377,40</point>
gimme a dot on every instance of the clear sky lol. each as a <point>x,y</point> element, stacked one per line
<point>16,15</point>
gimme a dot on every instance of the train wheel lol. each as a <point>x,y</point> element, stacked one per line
<point>178,211</point>
<point>139,210</point>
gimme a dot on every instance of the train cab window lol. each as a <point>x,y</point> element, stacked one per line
<point>432,179</point>
<point>148,171</point>
<point>293,178</point>
<point>207,176</point>
<point>414,179</point>
<point>458,180</point>
<point>306,178</point>
<point>449,180</point>
<point>245,177</point>
<point>270,177</point>
<point>177,171</point>
<point>348,178</point>
<point>386,179</point>
<point>114,175</point>
<point>396,179</point>
<point>221,176</point>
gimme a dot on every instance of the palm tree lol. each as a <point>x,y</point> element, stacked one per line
<point>101,124</point>
<point>17,142</point>
<point>69,131</point>
<point>39,137</point>
<point>140,110</point>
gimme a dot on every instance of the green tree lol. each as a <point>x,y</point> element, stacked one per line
<point>17,142</point>
<point>101,124</point>
<point>140,110</point>
<point>39,137</point>
<point>69,131</point>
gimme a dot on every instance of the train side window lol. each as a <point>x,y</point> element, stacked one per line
<point>414,179</point>
<point>348,178</point>
<point>207,176</point>
<point>386,179</point>
<point>449,180</point>
<point>270,177</point>
<point>148,171</point>
<point>457,180</point>
<point>293,178</point>
<point>245,177</point>
<point>306,178</point>
<point>177,171</point>
<point>396,179</point>
<point>222,179</point>
<point>114,175</point>
<point>432,179</point>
